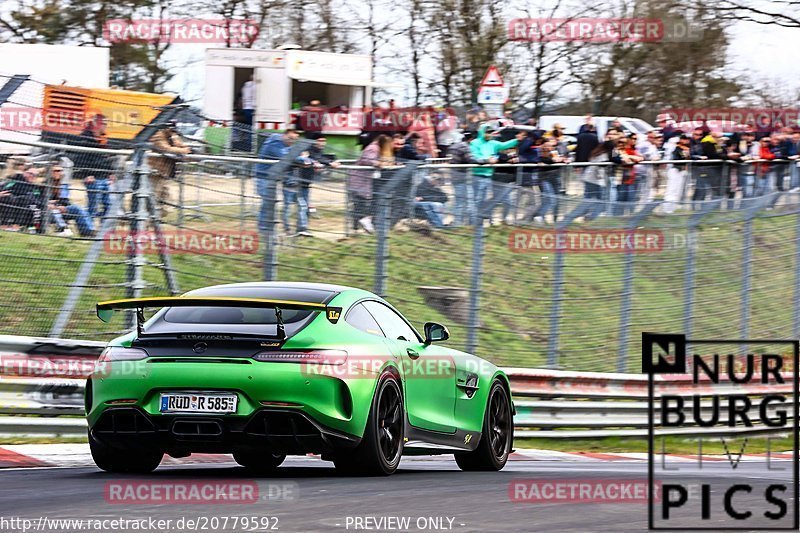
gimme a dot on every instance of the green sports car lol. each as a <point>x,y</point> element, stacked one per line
<point>265,370</point>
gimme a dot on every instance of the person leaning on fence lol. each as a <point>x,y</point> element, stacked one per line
<point>595,177</point>
<point>742,152</point>
<point>275,147</point>
<point>647,175</point>
<point>22,200</point>
<point>528,152</point>
<point>676,149</point>
<point>15,166</point>
<point>793,154</point>
<point>167,142</point>
<point>361,183</point>
<point>549,180</point>
<point>764,171</point>
<point>422,125</point>
<point>460,153</point>
<point>779,147</point>
<point>96,169</point>
<point>62,210</point>
<point>626,186</point>
<point>429,199</point>
<point>311,173</point>
<point>709,175</point>
<point>485,149</point>
<point>503,182</point>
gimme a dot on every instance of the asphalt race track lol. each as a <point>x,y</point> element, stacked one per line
<point>431,492</point>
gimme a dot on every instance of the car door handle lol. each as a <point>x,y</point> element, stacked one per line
<point>413,354</point>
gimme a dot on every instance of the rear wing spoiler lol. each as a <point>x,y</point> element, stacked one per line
<point>105,310</point>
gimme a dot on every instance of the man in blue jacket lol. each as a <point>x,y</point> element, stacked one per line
<point>277,147</point>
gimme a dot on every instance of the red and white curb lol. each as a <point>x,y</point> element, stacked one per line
<point>77,455</point>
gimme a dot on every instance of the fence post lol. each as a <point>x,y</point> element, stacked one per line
<point>243,175</point>
<point>181,189</point>
<point>116,210</point>
<point>796,296</point>
<point>270,199</point>
<point>688,277</point>
<point>48,191</point>
<point>475,285</point>
<point>747,259</point>
<point>558,288</point>
<point>134,280</point>
<point>627,288</point>
<point>384,196</point>
<point>382,220</point>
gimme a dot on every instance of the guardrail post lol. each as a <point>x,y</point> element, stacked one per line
<point>627,289</point>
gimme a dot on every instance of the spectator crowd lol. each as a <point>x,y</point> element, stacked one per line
<point>483,169</point>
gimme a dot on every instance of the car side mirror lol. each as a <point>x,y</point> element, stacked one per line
<point>435,332</point>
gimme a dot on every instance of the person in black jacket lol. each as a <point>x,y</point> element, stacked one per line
<point>429,200</point>
<point>409,151</point>
<point>460,154</point>
<point>585,143</point>
<point>22,199</point>
<point>709,175</point>
<point>95,169</point>
<point>309,174</point>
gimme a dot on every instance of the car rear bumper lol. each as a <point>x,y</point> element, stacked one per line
<point>284,431</point>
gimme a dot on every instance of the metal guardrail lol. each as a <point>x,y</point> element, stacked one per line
<point>38,399</point>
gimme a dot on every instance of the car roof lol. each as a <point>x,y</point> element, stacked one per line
<point>283,285</point>
<point>334,290</point>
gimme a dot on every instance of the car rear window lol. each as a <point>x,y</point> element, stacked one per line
<point>246,315</point>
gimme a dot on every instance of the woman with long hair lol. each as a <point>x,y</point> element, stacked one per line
<point>361,187</point>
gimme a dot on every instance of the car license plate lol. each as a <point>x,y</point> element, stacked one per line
<point>198,403</point>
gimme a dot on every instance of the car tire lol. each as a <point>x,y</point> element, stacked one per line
<point>263,463</point>
<point>123,461</point>
<point>380,450</point>
<point>497,435</point>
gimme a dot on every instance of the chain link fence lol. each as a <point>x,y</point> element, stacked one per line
<point>483,262</point>
<point>523,266</point>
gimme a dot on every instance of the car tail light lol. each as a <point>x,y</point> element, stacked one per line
<point>118,353</point>
<point>124,401</point>
<point>320,357</point>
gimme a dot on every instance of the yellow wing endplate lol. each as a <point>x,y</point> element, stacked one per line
<point>105,310</point>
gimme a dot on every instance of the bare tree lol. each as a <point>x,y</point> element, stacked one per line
<point>784,13</point>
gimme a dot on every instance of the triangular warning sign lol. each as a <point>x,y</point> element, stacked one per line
<point>492,78</point>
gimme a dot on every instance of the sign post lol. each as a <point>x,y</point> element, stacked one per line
<point>493,92</point>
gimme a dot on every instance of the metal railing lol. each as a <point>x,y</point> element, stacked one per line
<point>549,403</point>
